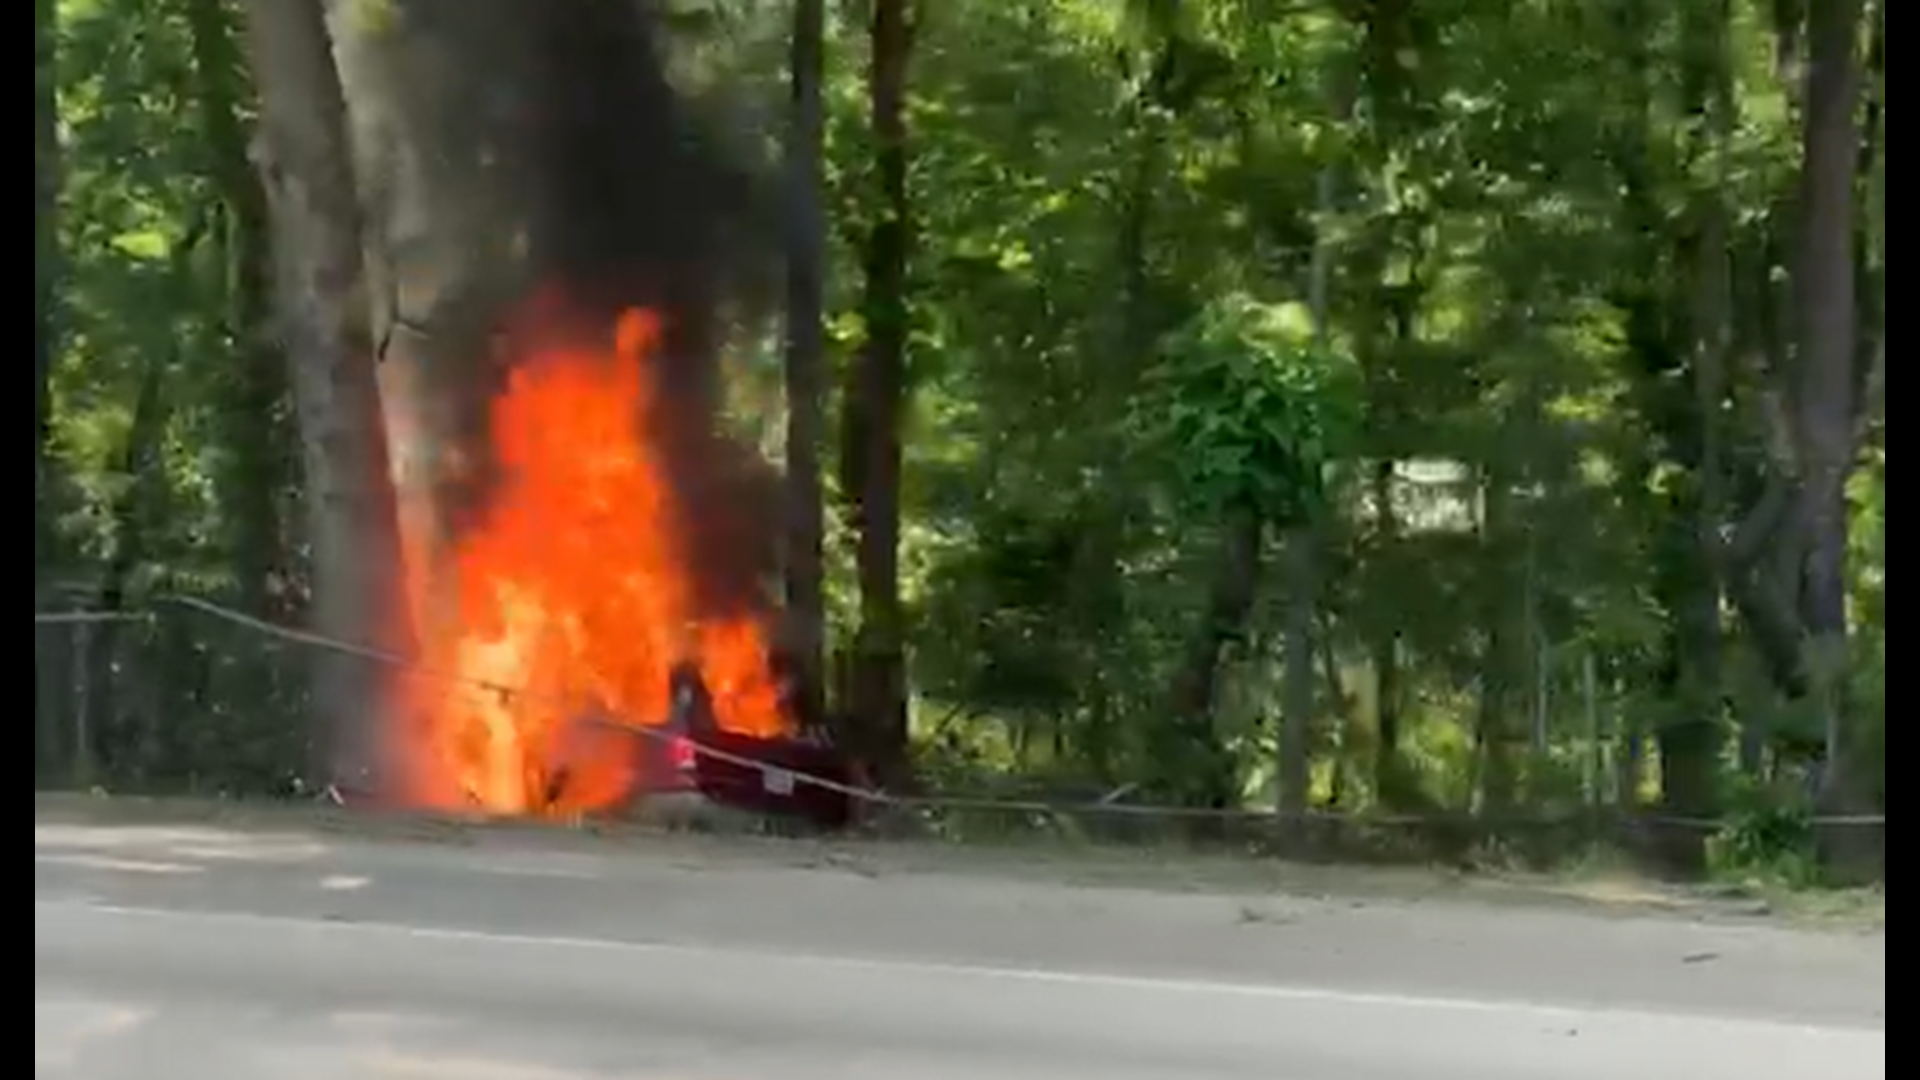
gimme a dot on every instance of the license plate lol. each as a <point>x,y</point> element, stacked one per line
<point>776,781</point>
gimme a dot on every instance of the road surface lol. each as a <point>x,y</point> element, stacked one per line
<point>242,955</point>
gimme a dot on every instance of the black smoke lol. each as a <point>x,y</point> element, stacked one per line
<point>626,201</point>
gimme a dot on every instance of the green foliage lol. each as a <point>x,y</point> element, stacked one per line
<point>1254,407</point>
<point>1766,839</point>
<point>1496,432</point>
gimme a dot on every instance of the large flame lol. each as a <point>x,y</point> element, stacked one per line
<point>570,598</point>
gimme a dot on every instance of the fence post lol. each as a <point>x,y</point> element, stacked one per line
<point>82,763</point>
<point>1593,760</point>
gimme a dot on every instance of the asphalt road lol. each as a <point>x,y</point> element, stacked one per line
<point>197,953</point>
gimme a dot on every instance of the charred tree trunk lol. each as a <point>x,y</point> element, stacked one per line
<point>876,392</point>
<point>806,360</point>
<point>307,175</point>
<point>529,170</point>
<point>434,90</point>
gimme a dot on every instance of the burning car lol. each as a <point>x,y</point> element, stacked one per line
<point>689,769</point>
<point>690,765</point>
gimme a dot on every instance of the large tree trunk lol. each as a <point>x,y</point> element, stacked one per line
<point>871,452</point>
<point>313,206</point>
<point>507,147</point>
<point>806,360</point>
<point>433,89</point>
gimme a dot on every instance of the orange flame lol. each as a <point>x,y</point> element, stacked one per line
<point>573,594</point>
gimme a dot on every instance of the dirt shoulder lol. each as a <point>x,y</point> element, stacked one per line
<point>1596,890</point>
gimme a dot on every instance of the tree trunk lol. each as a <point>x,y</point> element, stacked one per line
<point>1825,380</point>
<point>255,437</point>
<point>1501,658</point>
<point>46,259</point>
<point>1677,345</point>
<point>1297,696</point>
<point>49,721</point>
<point>513,152</point>
<point>1303,556</point>
<point>131,513</point>
<point>1197,759</point>
<point>312,203</point>
<point>806,359</point>
<point>1692,739</point>
<point>871,454</point>
<point>434,91</point>
<point>1388,778</point>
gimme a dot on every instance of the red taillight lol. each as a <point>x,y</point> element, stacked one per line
<point>682,754</point>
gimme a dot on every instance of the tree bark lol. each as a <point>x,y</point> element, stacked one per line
<point>872,411</point>
<point>132,513</point>
<point>806,359</point>
<point>1691,738</point>
<point>1501,661</point>
<point>1303,547</point>
<point>261,462</point>
<point>1675,336</point>
<point>312,202</point>
<point>46,258</point>
<point>1297,693</point>
<point>1387,772</point>
<point>1198,759</point>
<point>434,91</point>
<point>1825,383</point>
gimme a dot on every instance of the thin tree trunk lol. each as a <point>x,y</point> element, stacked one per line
<point>131,513</point>
<point>1501,659</point>
<point>1303,557</point>
<point>1297,686</point>
<point>46,259</point>
<point>255,436</point>
<point>1826,386</point>
<point>806,359</point>
<point>1199,760</point>
<point>872,450</point>
<point>48,724</point>
<point>1692,739</point>
<point>308,176</point>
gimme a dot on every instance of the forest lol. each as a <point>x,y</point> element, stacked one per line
<point>1370,412</point>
